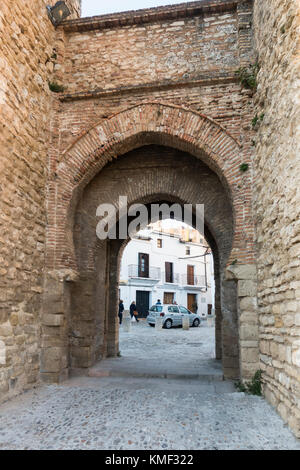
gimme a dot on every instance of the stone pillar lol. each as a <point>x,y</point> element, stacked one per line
<point>159,323</point>
<point>186,322</point>
<point>230,339</point>
<point>218,315</point>
<point>55,341</point>
<point>126,321</point>
<point>82,321</point>
<point>112,300</point>
<point>246,278</point>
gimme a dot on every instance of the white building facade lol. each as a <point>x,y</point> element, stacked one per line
<point>170,265</point>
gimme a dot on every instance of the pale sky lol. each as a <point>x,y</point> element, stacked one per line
<point>101,7</point>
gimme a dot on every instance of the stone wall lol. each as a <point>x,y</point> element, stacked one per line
<point>277,202</point>
<point>26,56</point>
<point>154,52</point>
<point>112,62</point>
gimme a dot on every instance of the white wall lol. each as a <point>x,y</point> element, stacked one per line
<point>171,251</point>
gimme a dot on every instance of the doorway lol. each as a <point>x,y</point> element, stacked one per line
<point>192,302</point>
<point>142,303</point>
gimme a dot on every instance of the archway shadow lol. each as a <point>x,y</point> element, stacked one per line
<point>145,175</point>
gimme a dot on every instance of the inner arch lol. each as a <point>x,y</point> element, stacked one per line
<point>147,174</point>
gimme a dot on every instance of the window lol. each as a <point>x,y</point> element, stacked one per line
<point>184,310</point>
<point>156,308</point>
<point>168,297</point>
<point>159,243</point>
<point>191,275</point>
<point>169,272</point>
<point>143,265</point>
<point>173,309</point>
<point>187,250</point>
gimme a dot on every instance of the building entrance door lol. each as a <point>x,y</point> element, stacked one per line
<point>142,303</point>
<point>192,302</point>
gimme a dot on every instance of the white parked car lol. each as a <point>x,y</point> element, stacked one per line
<point>172,315</point>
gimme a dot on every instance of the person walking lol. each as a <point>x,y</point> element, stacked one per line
<point>132,310</point>
<point>158,302</point>
<point>121,310</point>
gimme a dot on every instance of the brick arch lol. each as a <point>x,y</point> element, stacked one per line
<point>147,123</point>
<point>87,334</point>
<point>148,174</point>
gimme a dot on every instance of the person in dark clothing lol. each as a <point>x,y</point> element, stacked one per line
<point>133,309</point>
<point>121,310</point>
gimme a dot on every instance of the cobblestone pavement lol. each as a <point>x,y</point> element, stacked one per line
<point>146,412</point>
<point>171,353</point>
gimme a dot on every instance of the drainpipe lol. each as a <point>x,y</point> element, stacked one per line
<point>205,272</point>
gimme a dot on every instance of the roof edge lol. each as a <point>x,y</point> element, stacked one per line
<point>149,15</point>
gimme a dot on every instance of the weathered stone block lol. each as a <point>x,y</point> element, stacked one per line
<point>247,288</point>
<point>249,355</point>
<point>249,332</point>
<point>283,411</point>
<point>241,272</point>
<point>53,320</point>
<point>296,358</point>
<point>248,304</point>
<point>2,353</point>
<point>6,329</point>
<point>51,360</point>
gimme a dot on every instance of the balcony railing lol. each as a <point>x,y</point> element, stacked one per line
<point>155,273</point>
<point>134,271</point>
<point>193,280</point>
<point>174,279</point>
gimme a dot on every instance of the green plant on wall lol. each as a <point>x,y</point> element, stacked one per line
<point>254,387</point>
<point>55,87</point>
<point>257,119</point>
<point>244,167</point>
<point>248,76</point>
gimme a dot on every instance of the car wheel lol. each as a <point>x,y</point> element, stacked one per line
<point>168,324</point>
<point>151,324</point>
<point>196,323</point>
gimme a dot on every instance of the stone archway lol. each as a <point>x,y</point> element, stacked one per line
<point>68,281</point>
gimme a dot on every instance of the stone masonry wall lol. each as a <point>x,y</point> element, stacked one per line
<point>26,50</point>
<point>277,202</point>
<point>107,66</point>
<point>135,54</point>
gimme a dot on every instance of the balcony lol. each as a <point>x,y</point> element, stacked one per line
<point>193,281</point>
<point>151,274</point>
<point>174,279</point>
